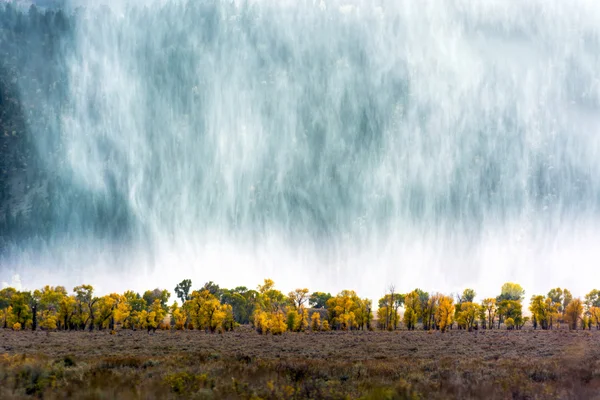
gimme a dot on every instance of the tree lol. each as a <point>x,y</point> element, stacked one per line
<point>213,289</point>
<point>430,310</point>
<point>21,312</point>
<point>511,309</point>
<point>467,296</point>
<point>490,307</point>
<point>297,298</point>
<point>511,291</point>
<point>85,306</point>
<point>106,307</point>
<point>6,295</point>
<point>444,313</point>
<point>315,321</point>
<point>509,323</point>
<point>468,315</point>
<point>67,309</point>
<point>595,316</point>
<point>343,310</point>
<point>157,294</point>
<point>319,299</point>
<point>412,309</point>
<point>592,299</point>
<point>242,301</point>
<point>541,311</point>
<point>388,310</point>
<point>364,314</point>
<point>573,312</point>
<point>293,321</point>
<point>182,290</point>
<point>178,317</point>
<point>567,298</point>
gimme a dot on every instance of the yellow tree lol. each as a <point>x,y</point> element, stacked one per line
<point>595,316</point>
<point>122,312</point>
<point>573,312</point>
<point>66,311</point>
<point>315,322</point>
<point>85,306</point>
<point>363,313</point>
<point>293,320</point>
<point>178,316</point>
<point>412,309</point>
<point>490,308</point>
<point>105,309</point>
<point>430,311</point>
<point>468,315</point>
<point>50,299</point>
<point>444,313</point>
<point>297,298</point>
<point>342,309</point>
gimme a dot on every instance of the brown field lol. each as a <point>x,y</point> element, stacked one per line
<point>242,364</point>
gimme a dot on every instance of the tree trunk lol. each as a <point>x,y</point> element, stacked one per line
<point>34,322</point>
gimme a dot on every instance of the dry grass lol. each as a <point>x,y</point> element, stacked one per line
<point>376,365</point>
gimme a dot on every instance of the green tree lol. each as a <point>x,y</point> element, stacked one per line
<point>319,299</point>
<point>157,294</point>
<point>511,291</point>
<point>182,290</point>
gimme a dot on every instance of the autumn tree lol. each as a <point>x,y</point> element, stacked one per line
<point>20,310</point>
<point>573,312</point>
<point>297,298</point>
<point>348,311</point>
<point>315,324</point>
<point>387,313</point>
<point>430,310</point>
<point>105,310</point>
<point>490,309</point>
<point>509,303</point>
<point>468,315</point>
<point>6,295</point>
<point>162,295</point>
<point>50,299</point>
<point>213,289</point>
<point>444,313</point>
<point>412,309</point>
<point>595,316</point>
<point>511,291</point>
<point>270,310</point>
<point>85,306</point>
<point>178,317</point>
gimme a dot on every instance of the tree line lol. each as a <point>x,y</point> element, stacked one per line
<point>270,311</point>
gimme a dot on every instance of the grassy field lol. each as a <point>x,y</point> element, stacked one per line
<point>242,364</point>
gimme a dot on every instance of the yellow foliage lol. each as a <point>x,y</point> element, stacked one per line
<point>315,322</point>
<point>444,314</point>
<point>573,313</point>
<point>277,324</point>
<point>412,306</point>
<point>16,326</point>
<point>48,321</point>
<point>467,316</point>
<point>325,326</point>
<point>178,316</point>
<point>510,323</point>
<point>595,316</point>
<point>293,320</point>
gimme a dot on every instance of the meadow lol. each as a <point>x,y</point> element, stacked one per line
<point>242,364</point>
